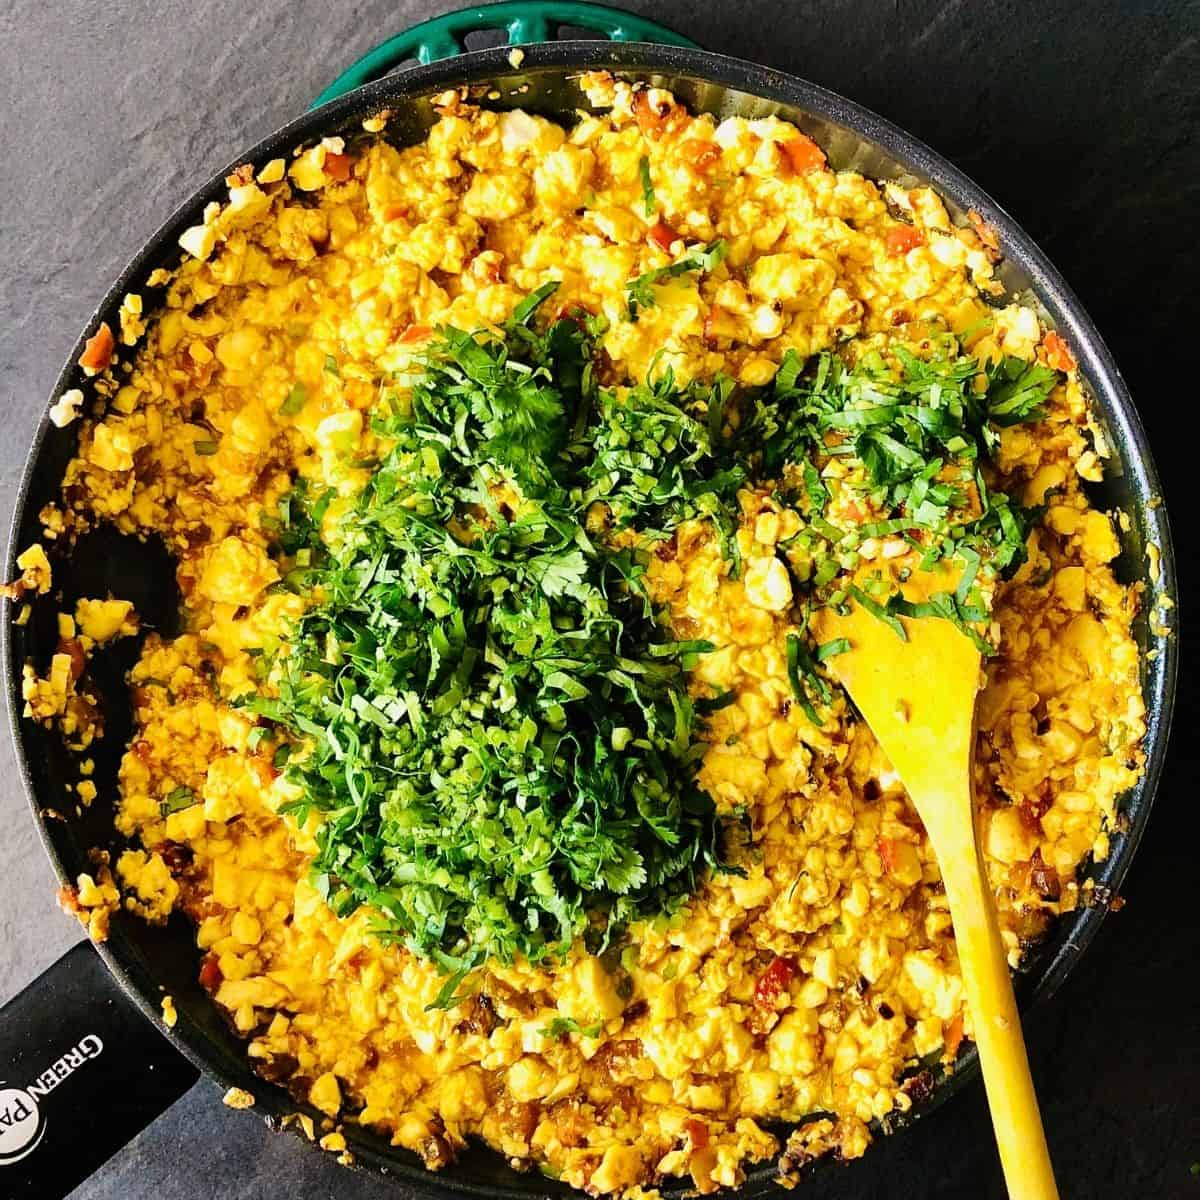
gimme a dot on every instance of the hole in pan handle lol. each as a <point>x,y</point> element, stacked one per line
<point>82,1071</point>
<point>522,21</point>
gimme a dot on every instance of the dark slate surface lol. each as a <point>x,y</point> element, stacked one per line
<point>1080,119</point>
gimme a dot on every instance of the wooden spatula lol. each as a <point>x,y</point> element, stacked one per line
<point>918,697</point>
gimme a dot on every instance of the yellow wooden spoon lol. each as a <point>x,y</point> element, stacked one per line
<point>918,697</point>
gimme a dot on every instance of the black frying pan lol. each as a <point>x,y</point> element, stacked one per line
<point>80,1070</point>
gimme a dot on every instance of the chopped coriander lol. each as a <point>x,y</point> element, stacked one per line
<point>524,311</point>
<point>639,292</point>
<point>947,606</point>
<point>177,801</point>
<point>832,648</point>
<point>205,447</point>
<point>971,561</point>
<point>494,729</point>
<point>649,203</point>
<point>802,675</point>
<point>561,1026</point>
<point>879,611</point>
<point>331,366</point>
<point>706,707</point>
<point>256,737</point>
<point>449,995</point>
<point>294,401</point>
<point>1018,390</point>
<point>912,436</point>
<point>640,483</point>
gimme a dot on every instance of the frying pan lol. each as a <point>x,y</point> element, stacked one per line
<point>82,1068</point>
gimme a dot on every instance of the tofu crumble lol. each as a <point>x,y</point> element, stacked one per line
<point>819,986</point>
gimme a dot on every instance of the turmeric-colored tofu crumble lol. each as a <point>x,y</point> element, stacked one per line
<point>810,977</point>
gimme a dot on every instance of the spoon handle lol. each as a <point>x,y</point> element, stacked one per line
<point>982,960</point>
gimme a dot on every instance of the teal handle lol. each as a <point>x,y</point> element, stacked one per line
<point>522,20</point>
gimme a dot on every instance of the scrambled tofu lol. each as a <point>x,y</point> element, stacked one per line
<point>812,989</point>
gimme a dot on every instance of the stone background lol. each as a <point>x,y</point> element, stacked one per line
<point>1081,119</point>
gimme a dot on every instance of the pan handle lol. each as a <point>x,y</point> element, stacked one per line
<point>81,1072</point>
<point>523,21</point>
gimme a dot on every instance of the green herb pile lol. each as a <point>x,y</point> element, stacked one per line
<point>907,438</point>
<point>915,435</point>
<point>480,701</point>
<point>497,731</point>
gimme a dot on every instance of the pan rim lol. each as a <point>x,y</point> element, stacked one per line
<point>1109,391</point>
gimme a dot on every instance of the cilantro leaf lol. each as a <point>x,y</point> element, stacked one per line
<point>880,611</point>
<point>1017,391</point>
<point>561,1026</point>
<point>177,800</point>
<point>800,673</point>
<point>639,292</point>
<point>649,203</point>
<point>294,401</point>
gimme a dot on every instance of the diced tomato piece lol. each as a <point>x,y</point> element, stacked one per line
<point>395,212</point>
<point>211,974</point>
<point>1058,353</point>
<point>697,1133</point>
<point>488,265</point>
<point>414,333</point>
<point>700,154</point>
<point>887,852</point>
<point>68,900</point>
<point>653,117</point>
<point>802,154</point>
<point>900,239</point>
<point>953,1039</point>
<point>98,350</point>
<point>338,167</point>
<point>719,323</point>
<point>263,766</point>
<point>900,860</point>
<point>662,235</point>
<point>773,981</point>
